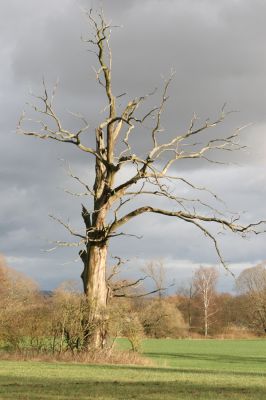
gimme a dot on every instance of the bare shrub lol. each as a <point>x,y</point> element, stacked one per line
<point>236,332</point>
<point>125,321</point>
<point>19,298</point>
<point>160,318</point>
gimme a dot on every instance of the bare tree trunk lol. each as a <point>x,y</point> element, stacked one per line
<point>94,276</point>
<point>205,322</point>
<point>95,288</point>
<point>189,315</point>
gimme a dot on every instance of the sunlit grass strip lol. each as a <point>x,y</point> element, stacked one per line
<point>185,369</point>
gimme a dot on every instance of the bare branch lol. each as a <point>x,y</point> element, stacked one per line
<point>115,269</point>
<point>79,180</point>
<point>52,127</point>
<point>67,227</point>
<point>194,219</point>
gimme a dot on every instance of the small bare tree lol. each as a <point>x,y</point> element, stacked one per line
<point>150,175</point>
<point>205,280</point>
<point>155,270</point>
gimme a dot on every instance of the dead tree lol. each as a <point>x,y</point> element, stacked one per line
<point>154,174</point>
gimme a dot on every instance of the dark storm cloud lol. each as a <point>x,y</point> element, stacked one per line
<point>218,52</point>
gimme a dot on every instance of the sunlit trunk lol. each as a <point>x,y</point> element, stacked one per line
<point>95,288</point>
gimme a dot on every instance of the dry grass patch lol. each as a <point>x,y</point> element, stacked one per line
<point>116,357</point>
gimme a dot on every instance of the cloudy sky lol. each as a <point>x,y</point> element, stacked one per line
<point>218,52</point>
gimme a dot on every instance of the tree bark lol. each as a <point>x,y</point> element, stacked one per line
<point>95,286</point>
<point>95,289</point>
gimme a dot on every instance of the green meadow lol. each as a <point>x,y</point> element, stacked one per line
<point>181,369</point>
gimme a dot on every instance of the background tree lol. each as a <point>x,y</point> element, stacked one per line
<point>149,175</point>
<point>19,305</point>
<point>186,294</point>
<point>205,279</point>
<point>252,283</point>
<point>155,270</point>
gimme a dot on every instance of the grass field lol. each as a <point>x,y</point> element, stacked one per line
<point>183,369</point>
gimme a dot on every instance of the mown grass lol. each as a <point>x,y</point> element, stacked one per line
<point>184,369</point>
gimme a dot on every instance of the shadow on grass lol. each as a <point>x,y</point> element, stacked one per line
<point>199,371</point>
<point>208,357</point>
<point>51,389</point>
<point>162,370</point>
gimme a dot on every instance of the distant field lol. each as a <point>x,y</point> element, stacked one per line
<point>183,369</point>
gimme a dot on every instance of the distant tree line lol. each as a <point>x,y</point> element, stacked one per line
<point>31,320</point>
